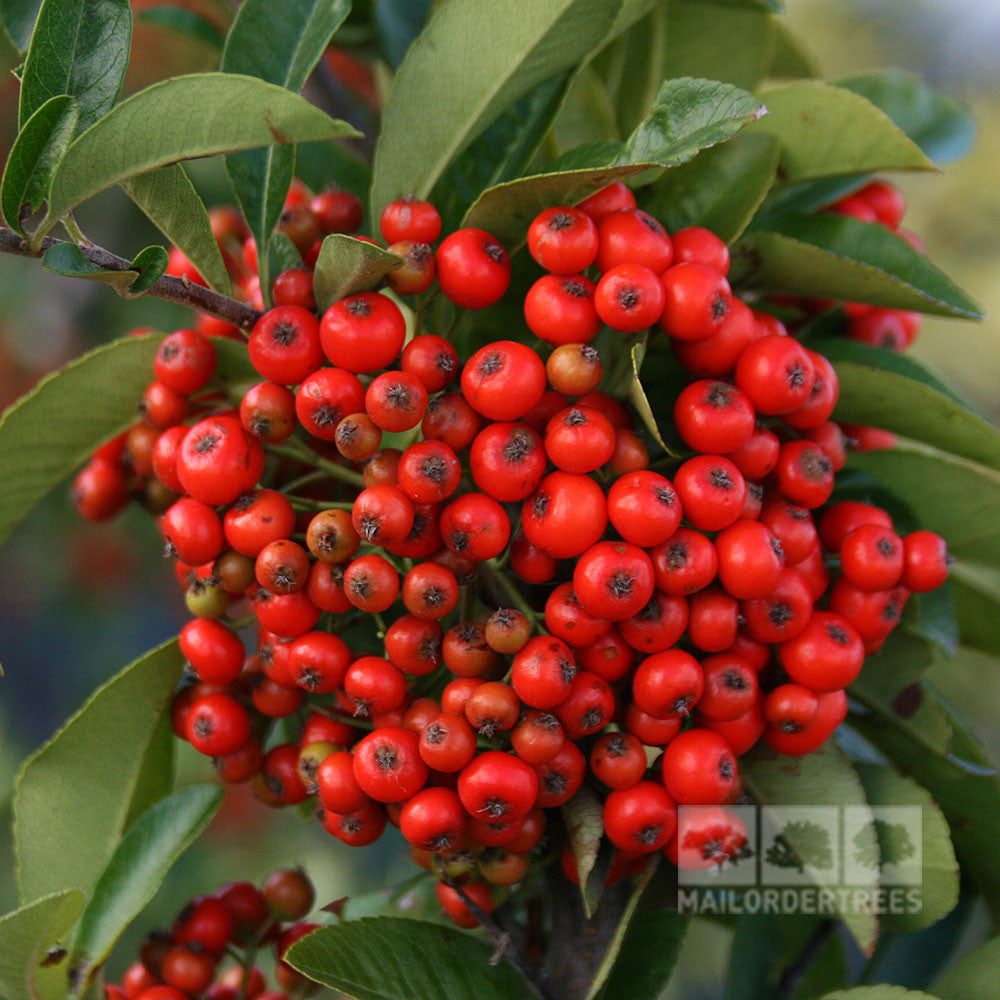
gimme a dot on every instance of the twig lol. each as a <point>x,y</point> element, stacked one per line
<point>179,290</point>
<point>791,978</point>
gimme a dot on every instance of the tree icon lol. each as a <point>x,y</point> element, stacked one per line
<point>801,843</point>
<point>891,845</point>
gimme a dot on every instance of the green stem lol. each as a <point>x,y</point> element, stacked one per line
<point>75,232</point>
<point>302,453</point>
<point>515,596</point>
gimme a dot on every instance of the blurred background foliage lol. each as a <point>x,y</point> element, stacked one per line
<point>77,601</point>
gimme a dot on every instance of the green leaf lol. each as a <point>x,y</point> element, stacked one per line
<point>67,259</point>
<point>974,976</point>
<point>649,950</point>
<point>822,778</point>
<point>57,426</point>
<point>281,48</point>
<point>284,253</point>
<point>471,62</point>
<point>398,22</point>
<point>81,48</point>
<point>893,391</point>
<point>28,934</point>
<point>172,204</point>
<point>584,818</point>
<point>347,265</point>
<point>392,958</point>
<point>950,495</point>
<point>878,993</point>
<point>34,156</point>
<point>73,797</point>
<point>720,189</point>
<point>833,256</point>
<point>19,18</point>
<point>791,60</point>
<point>183,21</point>
<point>734,44</point>
<point>135,872</point>
<point>976,592</point>
<point>188,116</point>
<point>941,126</point>
<point>939,869</point>
<point>688,115</point>
<point>637,397</point>
<point>826,130</point>
<point>320,164</point>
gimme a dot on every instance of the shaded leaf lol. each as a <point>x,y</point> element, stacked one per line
<point>72,797</point>
<point>720,189</point>
<point>471,62</point>
<point>320,164</point>
<point>833,256</point>
<point>184,21</point>
<point>637,397</point>
<point>822,778</point>
<point>974,976</point>
<point>34,156</point>
<point>135,872</point>
<point>878,993</point>
<point>941,126</point>
<point>790,60</point>
<point>584,818</point>
<point>27,935</point>
<point>68,260</point>
<point>393,958</point>
<point>18,17</point>
<point>398,22</point>
<point>347,265</point>
<point>976,592</point>
<point>825,130</point>
<point>188,116</point>
<point>57,426</point>
<point>170,201</point>
<point>81,48</point>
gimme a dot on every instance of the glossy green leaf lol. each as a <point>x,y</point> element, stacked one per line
<point>18,17</point>
<point>938,867</point>
<point>34,156</point>
<point>950,495</point>
<point>720,189</point>
<point>833,256</point>
<point>188,116</point>
<point>392,958</point>
<point>688,115</point>
<point>28,934</point>
<point>584,819</point>
<point>81,48</point>
<point>976,593</point>
<point>825,130</point>
<point>135,872</point>
<point>878,993</point>
<point>73,797</point>
<point>184,21</point>
<point>941,126</point>
<point>823,778</point>
<point>790,60</point>
<point>281,48</point>
<point>893,391</point>
<point>398,23</point>
<point>57,426</point>
<point>146,269</point>
<point>974,976</point>
<point>734,44</point>
<point>347,265</point>
<point>471,62</point>
<point>172,204</point>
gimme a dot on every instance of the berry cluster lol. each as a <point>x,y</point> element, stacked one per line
<point>557,610</point>
<point>236,922</point>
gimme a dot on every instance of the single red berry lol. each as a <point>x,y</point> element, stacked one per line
<point>640,819</point>
<point>473,268</point>
<point>633,236</point>
<point>284,344</point>
<point>388,765</point>
<point>629,298</point>
<point>925,561</point>
<point>696,301</point>
<point>362,333</point>
<point>699,768</point>
<point>503,380</point>
<point>613,580</point>
<point>410,218</point>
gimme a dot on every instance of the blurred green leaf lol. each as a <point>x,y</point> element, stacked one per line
<point>974,976</point>
<point>833,256</point>
<point>398,22</point>
<point>170,201</point>
<point>347,265</point>
<point>938,878</point>
<point>393,958</point>
<point>320,164</point>
<point>584,819</point>
<point>34,155</point>
<point>135,872</point>
<point>941,126</point>
<point>183,21</point>
<point>28,934</point>
<point>720,189</point>
<point>471,62</point>
<point>822,778</point>
<point>878,993</point>
<point>188,116</point>
<point>73,797</point>
<point>826,130</point>
<point>895,392</point>
<point>18,18</point>
<point>81,48</point>
<point>146,269</point>
<point>790,60</point>
<point>280,44</point>
<point>56,427</point>
<point>284,253</point>
<point>976,591</point>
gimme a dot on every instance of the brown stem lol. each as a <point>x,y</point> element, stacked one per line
<point>172,289</point>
